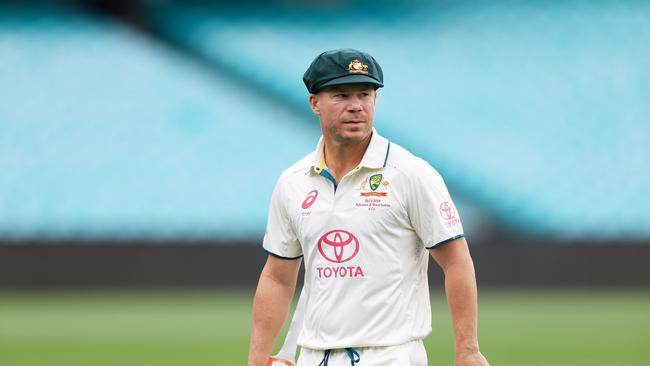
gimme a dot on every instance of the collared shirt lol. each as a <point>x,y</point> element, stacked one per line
<point>364,242</point>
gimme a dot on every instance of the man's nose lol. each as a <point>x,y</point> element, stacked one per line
<point>354,104</point>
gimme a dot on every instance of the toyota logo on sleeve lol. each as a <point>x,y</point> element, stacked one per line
<point>338,246</point>
<point>447,211</point>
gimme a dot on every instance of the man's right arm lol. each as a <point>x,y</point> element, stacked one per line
<point>270,307</point>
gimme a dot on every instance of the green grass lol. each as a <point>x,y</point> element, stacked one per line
<point>212,328</point>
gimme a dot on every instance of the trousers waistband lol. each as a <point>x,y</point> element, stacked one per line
<point>351,352</point>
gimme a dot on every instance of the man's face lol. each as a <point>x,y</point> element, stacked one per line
<point>346,111</point>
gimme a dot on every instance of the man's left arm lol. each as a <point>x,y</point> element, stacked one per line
<point>460,288</point>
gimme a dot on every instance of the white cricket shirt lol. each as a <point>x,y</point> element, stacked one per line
<point>364,244</point>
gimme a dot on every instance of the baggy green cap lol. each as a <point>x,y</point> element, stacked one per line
<point>343,66</point>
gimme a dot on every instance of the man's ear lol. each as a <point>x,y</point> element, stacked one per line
<point>313,103</point>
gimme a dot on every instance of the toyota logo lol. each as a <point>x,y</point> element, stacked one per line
<point>447,211</point>
<point>338,246</point>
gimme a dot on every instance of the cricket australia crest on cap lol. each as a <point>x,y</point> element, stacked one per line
<point>356,66</point>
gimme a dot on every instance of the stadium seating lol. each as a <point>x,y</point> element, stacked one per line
<point>105,133</point>
<point>536,112</point>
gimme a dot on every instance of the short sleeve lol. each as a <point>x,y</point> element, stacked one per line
<point>431,211</point>
<point>280,239</point>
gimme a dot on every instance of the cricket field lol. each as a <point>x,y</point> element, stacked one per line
<point>211,327</point>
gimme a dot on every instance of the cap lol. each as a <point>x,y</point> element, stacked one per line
<point>344,66</point>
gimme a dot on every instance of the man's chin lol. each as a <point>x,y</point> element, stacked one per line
<point>355,136</point>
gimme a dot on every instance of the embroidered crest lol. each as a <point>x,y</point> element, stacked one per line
<point>375,180</point>
<point>356,66</point>
<point>374,186</point>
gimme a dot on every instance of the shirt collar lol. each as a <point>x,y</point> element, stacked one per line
<point>375,156</point>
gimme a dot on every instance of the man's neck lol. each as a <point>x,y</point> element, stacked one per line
<point>342,158</point>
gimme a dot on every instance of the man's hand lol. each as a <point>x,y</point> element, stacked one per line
<point>274,361</point>
<point>473,358</point>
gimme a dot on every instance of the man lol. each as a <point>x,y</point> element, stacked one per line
<point>364,213</point>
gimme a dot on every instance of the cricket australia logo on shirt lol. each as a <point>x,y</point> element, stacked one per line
<point>338,246</point>
<point>374,190</point>
<point>375,182</point>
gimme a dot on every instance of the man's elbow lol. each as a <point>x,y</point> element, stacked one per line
<point>280,272</point>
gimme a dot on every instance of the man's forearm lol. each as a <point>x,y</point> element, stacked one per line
<point>270,308</point>
<point>460,287</point>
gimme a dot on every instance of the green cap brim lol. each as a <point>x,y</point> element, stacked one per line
<point>352,79</point>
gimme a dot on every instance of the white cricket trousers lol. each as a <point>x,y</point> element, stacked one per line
<point>408,354</point>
